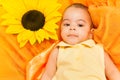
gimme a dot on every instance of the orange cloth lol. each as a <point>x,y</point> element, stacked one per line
<point>106,18</point>
<point>13,60</point>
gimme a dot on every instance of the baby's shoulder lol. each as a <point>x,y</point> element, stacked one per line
<point>99,47</point>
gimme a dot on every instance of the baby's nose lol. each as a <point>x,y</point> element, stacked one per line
<point>72,28</point>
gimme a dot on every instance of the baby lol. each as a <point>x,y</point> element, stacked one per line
<point>77,56</point>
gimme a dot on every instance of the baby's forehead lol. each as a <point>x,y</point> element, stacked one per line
<point>75,10</point>
<point>75,13</point>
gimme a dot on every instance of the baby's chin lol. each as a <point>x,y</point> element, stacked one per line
<point>72,42</point>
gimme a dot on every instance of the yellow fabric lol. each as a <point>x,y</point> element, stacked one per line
<point>84,61</point>
<point>36,66</point>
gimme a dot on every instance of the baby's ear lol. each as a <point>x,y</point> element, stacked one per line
<point>92,30</point>
<point>91,33</point>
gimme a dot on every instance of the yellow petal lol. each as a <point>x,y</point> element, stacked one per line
<point>10,22</point>
<point>55,17</point>
<point>14,29</point>
<point>25,35</point>
<point>22,43</point>
<point>46,35</point>
<point>7,16</point>
<point>52,8</point>
<point>32,39</point>
<point>28,4</point>
<point>2,10</point>
<point>41,5</point>
<point>14,8</point>
<point>51,27</point>
<point>40,35</point>
<point>53,36</point>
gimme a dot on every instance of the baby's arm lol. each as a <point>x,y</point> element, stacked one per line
<point>51,65</point>
<point>111,70</point>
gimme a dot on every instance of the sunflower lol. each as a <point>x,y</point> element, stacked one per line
<point>31,20</point>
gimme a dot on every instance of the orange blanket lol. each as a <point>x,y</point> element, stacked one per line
<point>25,63</point>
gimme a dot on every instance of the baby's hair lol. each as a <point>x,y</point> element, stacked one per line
<point>80,5</point>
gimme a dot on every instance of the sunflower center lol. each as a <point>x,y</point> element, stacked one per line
<point>33,20</point>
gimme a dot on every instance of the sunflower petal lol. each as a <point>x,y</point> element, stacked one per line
<point>6,16</point>
<point>22,43</point>
<point>16,8</point>
<point>14,29</point>
<point>46,35</point>
<point>32,39</point>
<point>28,4</point>
<point>54,7</point>
<point>50,27</point>
<point>40,35</point>
<point>39,39</point>
<point>53,36</point>
<point>10,22</point>
<point>41,5</point>
<point>25,35</point>
<point>55,17</point>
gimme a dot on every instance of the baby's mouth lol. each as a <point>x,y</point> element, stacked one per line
<point>72,35</point>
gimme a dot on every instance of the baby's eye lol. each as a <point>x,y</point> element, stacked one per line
<point>80,25</point>
<point>66,24</point>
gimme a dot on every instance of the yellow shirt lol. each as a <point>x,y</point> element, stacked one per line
<point>84,61</point>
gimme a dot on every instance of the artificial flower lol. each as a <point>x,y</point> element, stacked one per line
<point>31,20</point>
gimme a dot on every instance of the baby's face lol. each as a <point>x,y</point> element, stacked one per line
<point>76,25</point>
